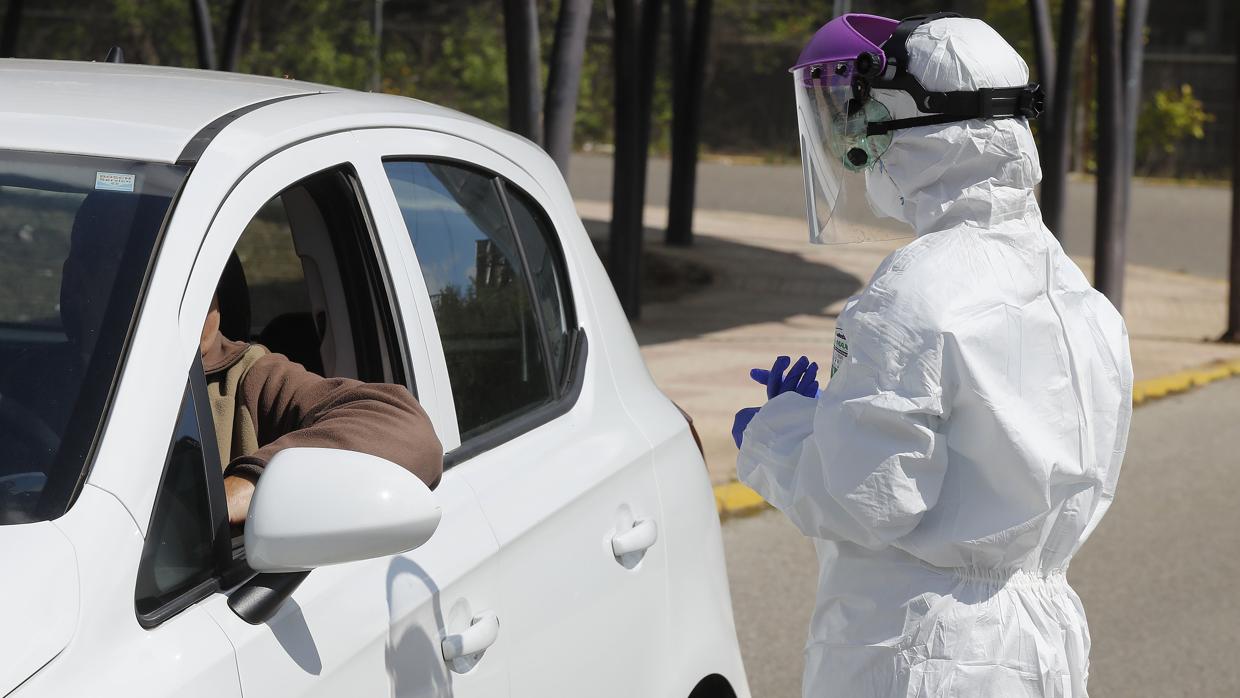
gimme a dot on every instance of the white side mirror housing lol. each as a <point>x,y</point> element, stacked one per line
<point>322,506</point>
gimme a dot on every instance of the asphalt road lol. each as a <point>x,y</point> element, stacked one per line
<point>1160,578</point>
<point>1177,227</point>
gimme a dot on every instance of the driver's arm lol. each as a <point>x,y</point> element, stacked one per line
<point>291,406</point>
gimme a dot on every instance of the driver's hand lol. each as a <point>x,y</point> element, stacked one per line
<point>238,489</point>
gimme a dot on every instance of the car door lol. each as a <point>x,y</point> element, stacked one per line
<point>374,627</point>
<point>561,472</point>
<point>152,638</point>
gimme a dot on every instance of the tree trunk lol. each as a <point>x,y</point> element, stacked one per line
<point>1109,232</point>
<point>1133,47</point>
<point>203,34</point>
<point>524,100</point>
<point>678,35</point>
<point>649,30</point>
<point>564,80</point>
<point>627,198</point>
<point>376,55</point>
<point>1044,51</point>
<point>651,23</point>
<point>686,120</point>
<point>10,30</point>
<point>1043,44</point>
<point>230,53</point>
<point>1233,294</point>
<point>1058,138</point>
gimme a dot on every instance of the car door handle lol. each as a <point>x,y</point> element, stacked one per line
<point>479,636</point>
<point>636,539</point>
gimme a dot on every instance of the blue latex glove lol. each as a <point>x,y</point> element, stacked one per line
<point>802,378</point>
<point>743,418</point>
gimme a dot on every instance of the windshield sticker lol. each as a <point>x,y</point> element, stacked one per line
<point>113,181</point>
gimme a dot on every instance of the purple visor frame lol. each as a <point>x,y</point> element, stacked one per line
<point>845,38</point>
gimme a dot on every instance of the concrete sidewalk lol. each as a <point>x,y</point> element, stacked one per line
<point>774,293</point>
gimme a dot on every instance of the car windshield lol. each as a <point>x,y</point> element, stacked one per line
<point>76,238</point>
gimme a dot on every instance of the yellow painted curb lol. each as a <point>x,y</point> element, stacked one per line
<point>735,499</point>
<point>1154,388</point>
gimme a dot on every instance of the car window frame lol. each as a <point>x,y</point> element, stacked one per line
<point>376,261</point>
<point>565,389</point>
<point>567,304</point>
<point>196,397</point>
<point>382,325</point>
<point>540,322</point>
<point>329,151</point>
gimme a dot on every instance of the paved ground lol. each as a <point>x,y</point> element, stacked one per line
<point>1158,578</point>
<point>1173,227</point>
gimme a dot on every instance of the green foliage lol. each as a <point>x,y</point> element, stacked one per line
<point>454,54</point>
<point>155,31</point>
<point>1167,120</point>
<point>594,102</point>
<point>326,41</point>
<point>1170,117</point>
<point>463,66</point>
<point>1010,18</point>
<point>461,63</point>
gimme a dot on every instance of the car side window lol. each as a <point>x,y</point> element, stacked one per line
<point>546,267</point>
<point>273,270</point>
<point>306,280</point>
<point>480,290</point>
<point>183,550</point>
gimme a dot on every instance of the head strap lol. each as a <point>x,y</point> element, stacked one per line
<point>945,107</point>
<point>985,103</point>
<point>894,47</point>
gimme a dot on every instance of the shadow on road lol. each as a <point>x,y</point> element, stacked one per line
<point>720,284</point>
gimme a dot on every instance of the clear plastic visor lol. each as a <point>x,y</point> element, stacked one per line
<point>837,156</point>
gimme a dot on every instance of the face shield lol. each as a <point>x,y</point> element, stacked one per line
<point>837,154</point>
<point>845,130</point>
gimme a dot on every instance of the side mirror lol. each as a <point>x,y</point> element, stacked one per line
<point>322,506</point>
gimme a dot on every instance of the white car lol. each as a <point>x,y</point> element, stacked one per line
<point>577,550</point>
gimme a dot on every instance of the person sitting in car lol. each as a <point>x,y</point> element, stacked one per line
<point>261,402</point>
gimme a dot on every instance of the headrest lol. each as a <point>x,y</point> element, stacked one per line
<point>234,295</point>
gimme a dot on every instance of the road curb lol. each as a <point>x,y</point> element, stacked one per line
<point>734,499</point>
<point>1155,388</point>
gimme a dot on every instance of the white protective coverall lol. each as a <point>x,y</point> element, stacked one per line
<point>972,437</point>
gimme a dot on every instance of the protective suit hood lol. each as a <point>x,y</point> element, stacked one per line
<point>977,172</point>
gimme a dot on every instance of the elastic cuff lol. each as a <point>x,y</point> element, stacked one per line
<point>246,468</point>
<point>781,424</point>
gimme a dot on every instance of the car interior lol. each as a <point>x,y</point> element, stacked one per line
<point>303,281</point>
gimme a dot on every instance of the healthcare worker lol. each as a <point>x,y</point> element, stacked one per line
<point>970,437</point>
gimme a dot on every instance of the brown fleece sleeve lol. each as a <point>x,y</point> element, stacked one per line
<point>292,407</point>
